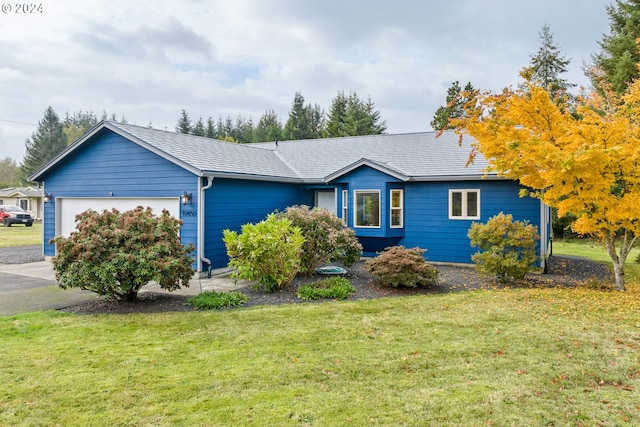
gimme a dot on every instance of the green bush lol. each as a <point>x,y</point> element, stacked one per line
<point>212,300</point>
<point>332,287</point>
<point>507,247</point>
<point>399,266</point>
<point>115,254</point>
<point>267,252</point>
<point>326,238</point>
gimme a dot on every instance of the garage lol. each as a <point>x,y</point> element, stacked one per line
<point>69,207</point>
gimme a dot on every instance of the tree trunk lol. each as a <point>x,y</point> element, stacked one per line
<point>618,271</point>
<point>619,260</point>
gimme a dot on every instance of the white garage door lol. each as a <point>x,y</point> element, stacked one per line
<point>68,208</point>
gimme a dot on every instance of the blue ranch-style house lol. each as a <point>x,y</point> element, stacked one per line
<point>408,189</point>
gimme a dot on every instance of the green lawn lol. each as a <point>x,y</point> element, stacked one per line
<point>562,357</point>
<point>516,357</point>
<point>19,235</point>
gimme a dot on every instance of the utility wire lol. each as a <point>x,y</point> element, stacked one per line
<point>19,123</point>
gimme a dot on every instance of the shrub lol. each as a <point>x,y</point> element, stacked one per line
<point>332,287</point>
<point>212,300</point>
<point>399,266</point>
<point>326,238</point>
<point>267,252</point>
<point>115,254</point>
<point>507,247</point>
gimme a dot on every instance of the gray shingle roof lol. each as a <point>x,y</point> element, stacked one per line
<point>414,156</point>
<point>418,156</point>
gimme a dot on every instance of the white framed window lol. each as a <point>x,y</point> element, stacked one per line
<point>464,204</point>
<point>366,208</point>
<point>345,205</point>
<point>396,209</point>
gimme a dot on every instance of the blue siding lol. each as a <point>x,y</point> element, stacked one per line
<point>366,178</point>
<point>113,164</point>
<point>110,163</point>
<point>231,203</point>
<point>427,223</point>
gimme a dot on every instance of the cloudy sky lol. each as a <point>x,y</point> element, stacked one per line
<point>148,60</point>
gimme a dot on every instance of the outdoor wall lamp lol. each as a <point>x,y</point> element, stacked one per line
<point>185,198</point>
<point>46,198</point>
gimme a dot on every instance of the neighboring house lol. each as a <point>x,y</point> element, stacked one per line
<point>28,198</point>
<point>410,189</point>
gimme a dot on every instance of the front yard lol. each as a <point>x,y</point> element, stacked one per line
<point>500,357</point>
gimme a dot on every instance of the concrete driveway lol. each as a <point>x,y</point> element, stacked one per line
<point>32,287</point>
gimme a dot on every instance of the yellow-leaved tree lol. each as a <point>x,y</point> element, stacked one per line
<point>583,160</point>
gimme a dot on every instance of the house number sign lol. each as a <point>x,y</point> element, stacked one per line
<point>186,213</point>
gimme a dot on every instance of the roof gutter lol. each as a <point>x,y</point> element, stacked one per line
<point>201,211</point>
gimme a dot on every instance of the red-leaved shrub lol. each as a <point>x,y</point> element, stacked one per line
<point>399,266</point>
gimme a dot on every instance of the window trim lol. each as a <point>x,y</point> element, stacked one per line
<point>465,208</point>
<point>355,209</point>
<point>345,205</point>
<point>398,208</point>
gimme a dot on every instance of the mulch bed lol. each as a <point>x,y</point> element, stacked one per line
<point>563,271</point>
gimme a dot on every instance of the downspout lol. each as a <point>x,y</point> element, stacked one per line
<point>201,212</point>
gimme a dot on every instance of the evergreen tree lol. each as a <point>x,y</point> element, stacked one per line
<point>113,117</point>
<point>243,130</point>
<point>76,124</point>
<point>269,127</point>
<point>548,64</point>
<point>454,107</point>
<point>198,128</point>
<point>351,116</point>
<point>316,120</point>
<point>356,121</point>
<point>210,130</point>
<point>227,128</point>
<point>375,126</point>
<point>335,126</point>
<point>298,124</point>
<point>184,123</point>
<point>45,143</point>
<point>616,63</point>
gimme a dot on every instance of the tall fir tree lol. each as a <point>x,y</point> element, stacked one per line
<point>376,125</point>
<point>198,128</point>
<point>269,127</point>
<point>356,119</point>
<point>351,116</point>
<point>45,143</point>
<point>454,107</point>
<point>616,63</point>
<point>335,125</point>
<point>184,123</point>
<point>548,64</point>
<point>298,124</point>
<point>316,120</point>
<point>210,130</point>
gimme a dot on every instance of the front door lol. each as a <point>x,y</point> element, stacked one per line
<point>326,199</point>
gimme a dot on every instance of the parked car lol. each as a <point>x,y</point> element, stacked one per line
<point>15,215</point>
